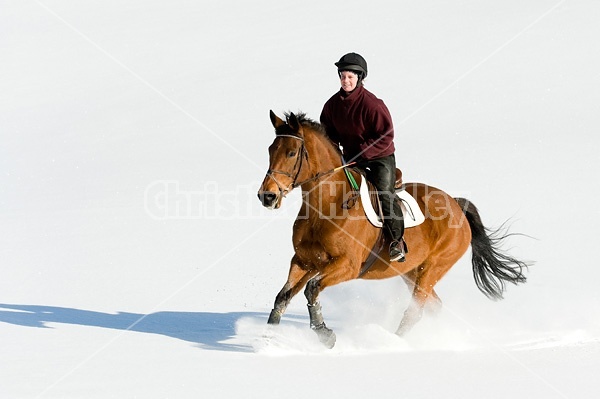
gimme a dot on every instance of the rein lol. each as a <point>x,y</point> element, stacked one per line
<point>325,173</point>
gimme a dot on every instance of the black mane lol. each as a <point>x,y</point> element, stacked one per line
<point>315,126</point>
<point>306,121</point>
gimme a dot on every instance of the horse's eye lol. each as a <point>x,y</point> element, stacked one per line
<point>291,154</point>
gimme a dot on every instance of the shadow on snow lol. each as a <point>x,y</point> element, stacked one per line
<point>208,330</point>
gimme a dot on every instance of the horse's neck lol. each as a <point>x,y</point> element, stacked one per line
<point>324,157</point>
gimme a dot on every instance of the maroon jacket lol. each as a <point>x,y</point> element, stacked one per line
<point>361,123</point>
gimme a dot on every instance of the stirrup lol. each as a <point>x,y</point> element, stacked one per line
<point>397,251</point>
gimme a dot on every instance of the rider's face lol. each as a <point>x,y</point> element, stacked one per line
<point>348,80</point>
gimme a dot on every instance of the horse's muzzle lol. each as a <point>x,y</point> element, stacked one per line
<point>269,199</point>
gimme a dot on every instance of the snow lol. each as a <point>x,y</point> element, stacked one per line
<point>137,261</point>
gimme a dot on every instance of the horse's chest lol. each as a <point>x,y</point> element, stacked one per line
<point>312,245</point>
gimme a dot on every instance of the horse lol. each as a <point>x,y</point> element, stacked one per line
<point>331,241</point>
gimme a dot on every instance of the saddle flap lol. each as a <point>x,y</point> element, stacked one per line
<point>368,195</point>
<point>413,216</point>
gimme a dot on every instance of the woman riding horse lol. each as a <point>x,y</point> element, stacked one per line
<point>362,124</point>
<point>331,242</point>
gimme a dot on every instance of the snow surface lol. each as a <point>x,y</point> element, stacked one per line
<point>137,262</point>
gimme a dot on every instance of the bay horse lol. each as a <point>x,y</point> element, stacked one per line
<point>331,241</point>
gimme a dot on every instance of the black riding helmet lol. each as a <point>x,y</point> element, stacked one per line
<point>353,62</point>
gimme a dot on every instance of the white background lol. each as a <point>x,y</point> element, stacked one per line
<point>108,108</point>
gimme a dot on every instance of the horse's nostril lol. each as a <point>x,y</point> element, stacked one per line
<point>267,198</point>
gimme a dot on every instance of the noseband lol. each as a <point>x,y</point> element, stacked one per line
<point>297,168</point>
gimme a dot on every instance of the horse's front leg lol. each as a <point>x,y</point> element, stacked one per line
<point>340,270</point>
<point>317,324</point>
<point>297,278</point>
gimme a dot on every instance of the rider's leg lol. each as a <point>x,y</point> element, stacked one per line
<point>382,173</point>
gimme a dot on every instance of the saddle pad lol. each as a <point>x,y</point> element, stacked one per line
<point>413,216</point>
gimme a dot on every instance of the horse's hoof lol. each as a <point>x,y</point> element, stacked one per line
<point>274,317</point>
<point>403,330</point>
<point>326,336</point>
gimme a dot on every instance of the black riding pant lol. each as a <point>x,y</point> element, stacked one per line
<point>382,173</point>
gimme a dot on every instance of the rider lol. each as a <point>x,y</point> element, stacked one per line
<point>362,125</point>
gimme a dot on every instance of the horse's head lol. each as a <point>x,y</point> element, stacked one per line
<point>287,155</point>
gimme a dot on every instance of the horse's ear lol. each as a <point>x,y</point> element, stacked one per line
<point>292,120</point>
<point>275,120</point>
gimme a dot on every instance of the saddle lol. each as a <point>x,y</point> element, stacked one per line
<point>398,182</point>
<point>372,207</point>
<point>373,192</point>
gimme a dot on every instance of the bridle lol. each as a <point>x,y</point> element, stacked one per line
<point>303,153</point>
<point>298,168</point>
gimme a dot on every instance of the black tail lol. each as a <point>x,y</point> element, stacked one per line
<point>492,269</point>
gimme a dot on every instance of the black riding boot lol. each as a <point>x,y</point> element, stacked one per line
<point>394,224</point>
<point>382,173</point>
<point>395,227</point>
<point>397,251</point>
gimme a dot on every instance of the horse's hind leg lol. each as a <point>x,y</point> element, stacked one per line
<point>422,279</point>
<point>326,335</point>
<point>297,278</point>
<point>434,303</point>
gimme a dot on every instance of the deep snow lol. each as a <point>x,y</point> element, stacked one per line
<point>112,109</point>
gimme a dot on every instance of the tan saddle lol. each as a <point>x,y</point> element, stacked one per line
<point>398,183</point>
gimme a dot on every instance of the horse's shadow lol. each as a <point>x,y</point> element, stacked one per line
<point>207,330</point>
